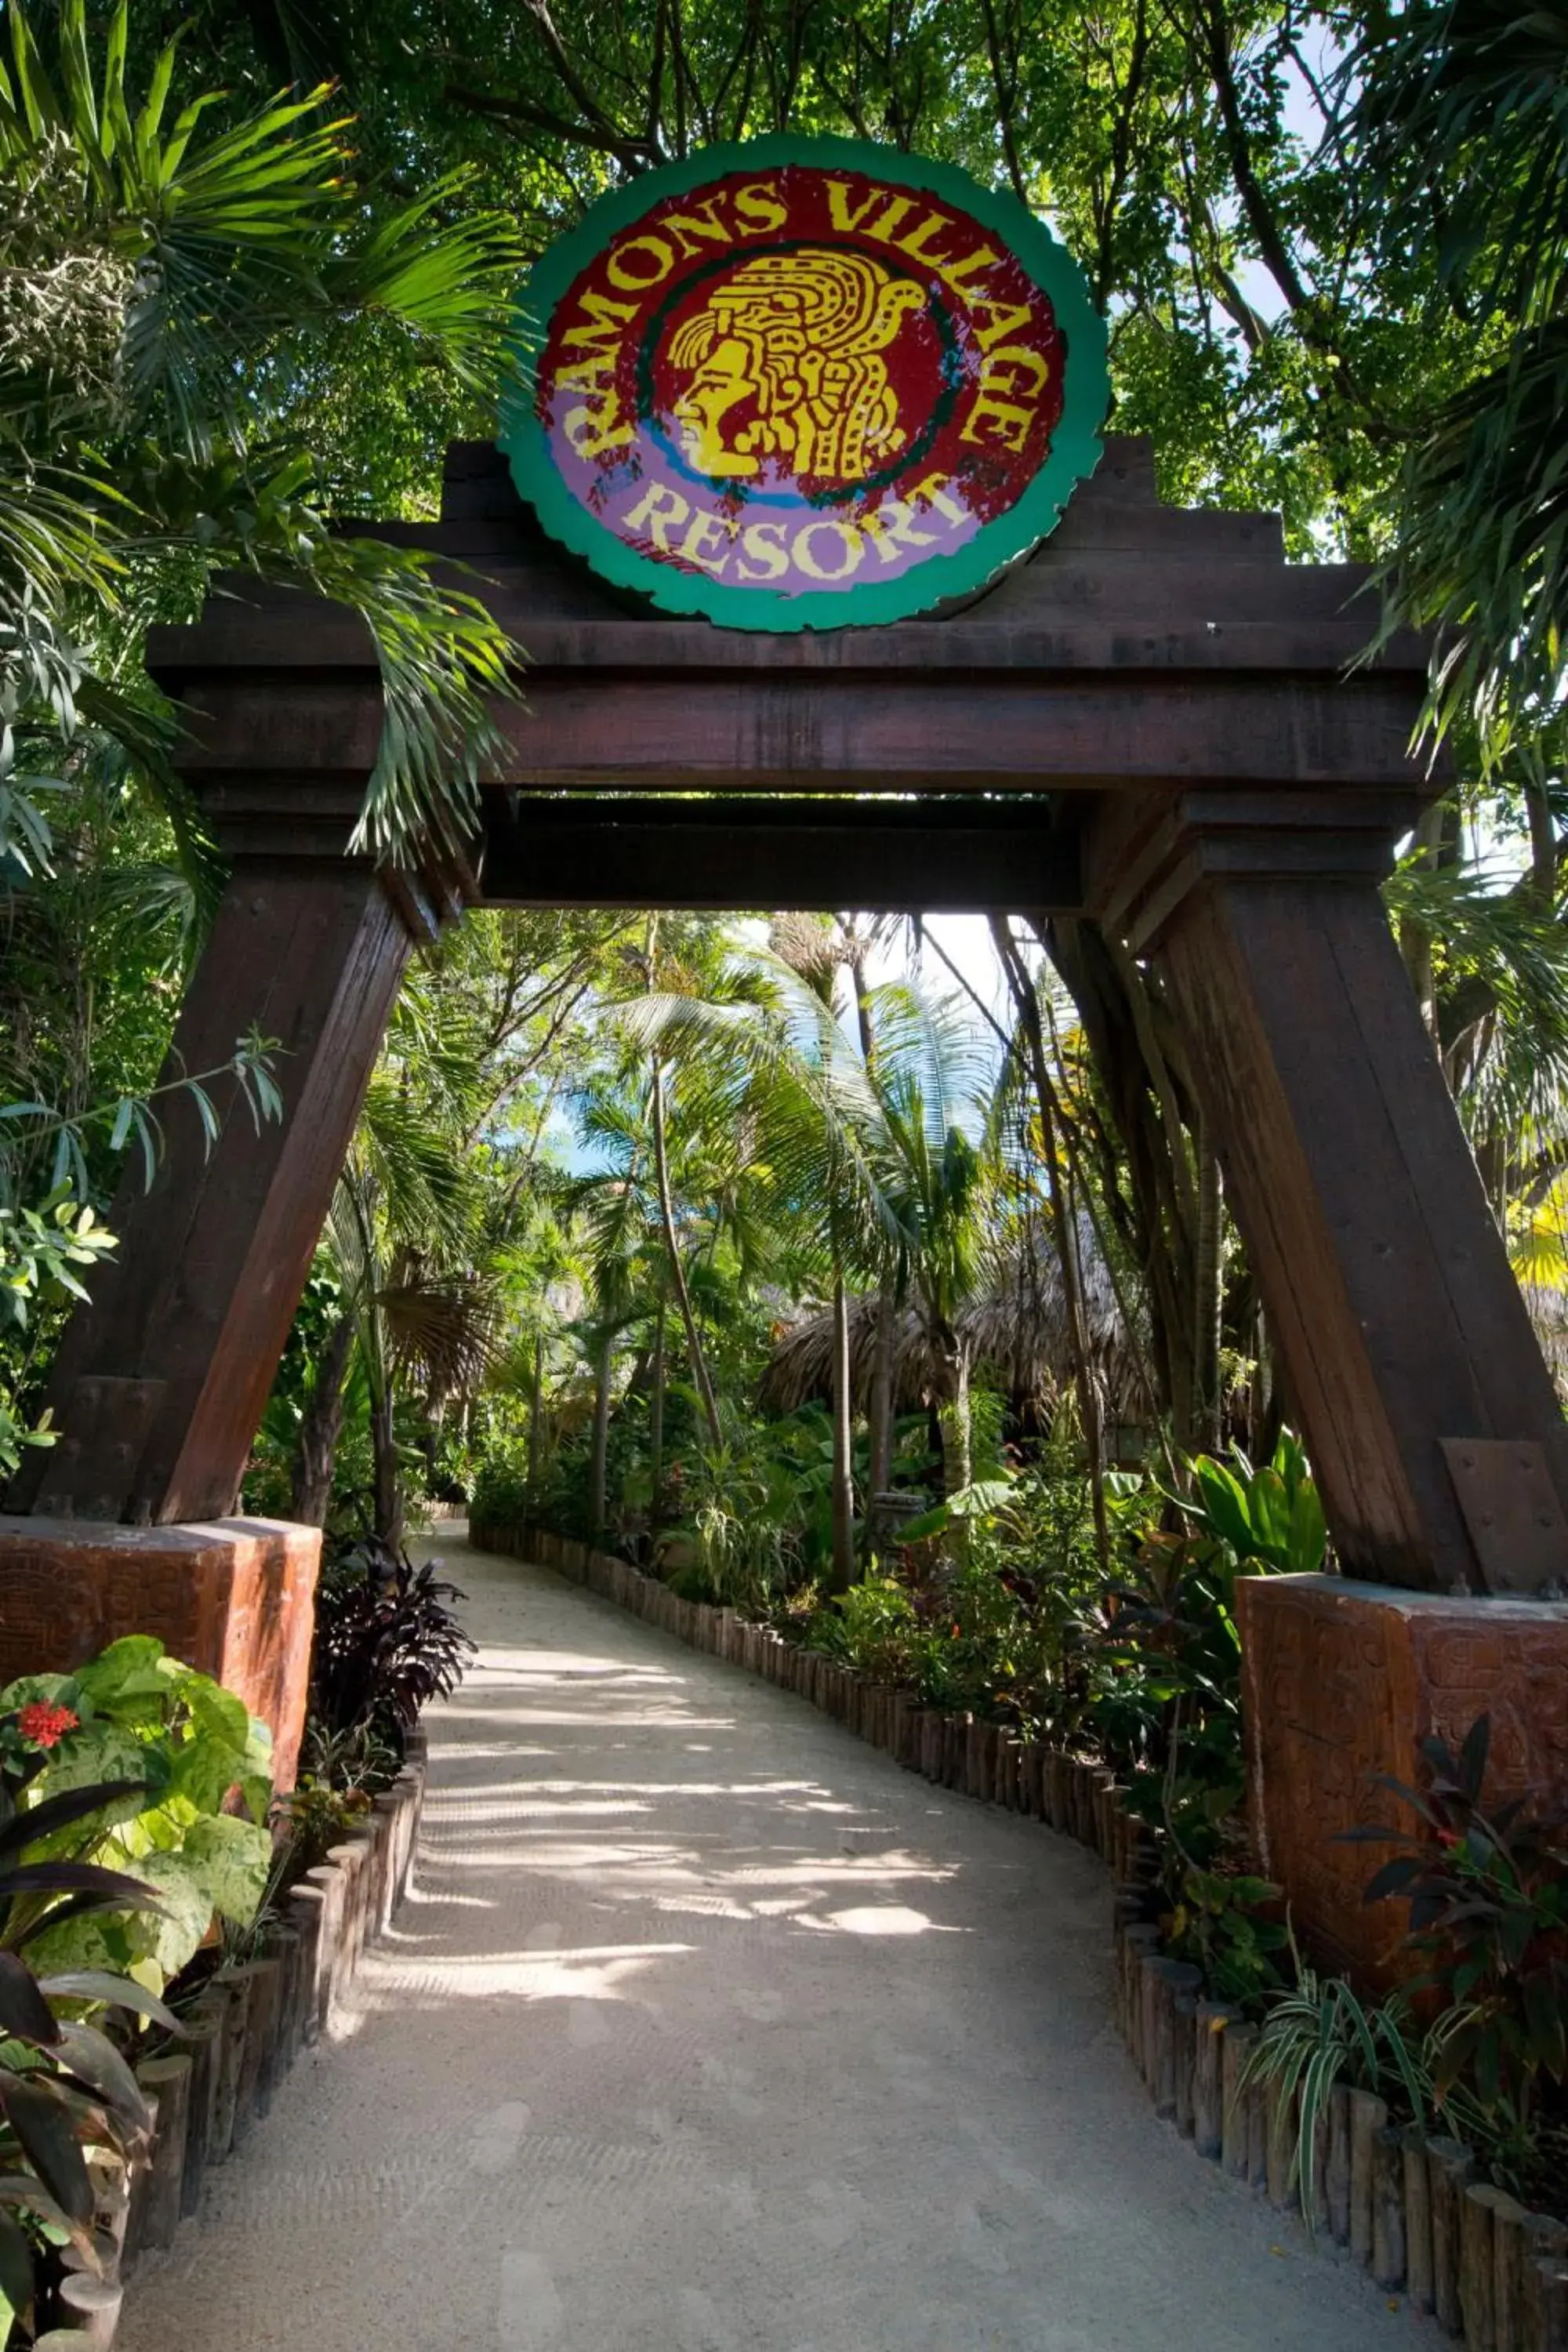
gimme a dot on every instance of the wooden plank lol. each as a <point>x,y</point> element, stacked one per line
<point>214,1258</point>
<point>555,636</point>
<point>1000,732</point>
<point>718,854</point>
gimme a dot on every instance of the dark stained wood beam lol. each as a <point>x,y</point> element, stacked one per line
<point>893,856</point>
<point>160,1381</point>
<point>1387,1285</point>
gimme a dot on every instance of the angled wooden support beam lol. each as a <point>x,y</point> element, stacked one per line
<point>895,856</point>
<point>160,1384</point>
<point>1433,1428</point>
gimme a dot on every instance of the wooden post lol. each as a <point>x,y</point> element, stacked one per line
<point>168,2081</point>
<point>160,1383</point>
<point>1449,2168</point>
<point>1384,1276</point>
<point>1418,2218</point>
<point>1368,2116</point>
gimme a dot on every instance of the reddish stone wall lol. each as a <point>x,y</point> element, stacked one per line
<point>1341,1681</point>
<point>233,1597</point>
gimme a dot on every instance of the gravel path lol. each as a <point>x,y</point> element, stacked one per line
<point>707,2028</point>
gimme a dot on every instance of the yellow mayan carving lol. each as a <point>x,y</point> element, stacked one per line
<point>796,338</point>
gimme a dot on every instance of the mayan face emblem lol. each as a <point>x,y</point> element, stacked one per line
<point>786,361</point>
<point>801,382</point>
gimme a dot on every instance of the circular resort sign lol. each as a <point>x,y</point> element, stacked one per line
<point>805,382</point>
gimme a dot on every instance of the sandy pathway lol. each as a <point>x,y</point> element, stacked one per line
<point>707,2029</point>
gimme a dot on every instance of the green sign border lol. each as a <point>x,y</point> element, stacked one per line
<point>1073,453</point>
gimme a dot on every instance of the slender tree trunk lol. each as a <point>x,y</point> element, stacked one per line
<point>535,1409</point>
<point>883,1368</point>
<point>843,1573</point>
<point>388,1480</point>
<point>1207,1299</point>
<point>320,1425</point>
<point>677,1271</point>
<point>962,1430</point>
<point>656,1423</point>
<point>1064,1216</point>
<point>599,1457</point>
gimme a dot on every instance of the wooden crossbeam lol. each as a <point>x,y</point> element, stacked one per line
<point>885,855</point>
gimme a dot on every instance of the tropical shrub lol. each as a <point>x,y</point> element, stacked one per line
<point>63,2085</point>
<point>1487,1891</point>
<point>174,1748</point>
<point>386,1641</point>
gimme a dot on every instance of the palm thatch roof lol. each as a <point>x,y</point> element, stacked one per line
<point>1018,1336</point>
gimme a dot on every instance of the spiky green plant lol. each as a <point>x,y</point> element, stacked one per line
<point>1319,2033</point>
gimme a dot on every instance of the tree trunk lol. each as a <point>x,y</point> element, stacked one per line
<point>842,1572</point>
<point>1064,1215</point>
<point>962,1437</point>
<point>320,1425</point>
<point>656,1422</point>
<point>388,1488</point>
<point>882,1416</point>
<point>597,1461</point>
<point>535,1407</point>
<point>677,1271</point>
<point>1208,1300</point>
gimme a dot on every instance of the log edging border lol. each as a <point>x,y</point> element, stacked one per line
<point>1407,2208</point>
<point>245,2031</point>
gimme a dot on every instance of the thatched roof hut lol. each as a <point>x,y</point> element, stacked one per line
<point>1017,1334</point>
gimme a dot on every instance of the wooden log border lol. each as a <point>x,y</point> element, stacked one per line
<point>1408,2206</point>
<point>247,2030</point>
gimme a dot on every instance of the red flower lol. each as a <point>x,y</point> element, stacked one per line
<point>46,1725</point>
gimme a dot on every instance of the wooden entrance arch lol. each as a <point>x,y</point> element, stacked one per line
<point>1153,721</point>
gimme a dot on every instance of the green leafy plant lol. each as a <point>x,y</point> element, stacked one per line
<point>1270,1517</point>
<point>1221,1921</point>
<point>179,1748</point>
<point>63,2085</point>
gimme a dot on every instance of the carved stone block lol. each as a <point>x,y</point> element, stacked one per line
<point>1341,1681</point>
<point>233,1597</point>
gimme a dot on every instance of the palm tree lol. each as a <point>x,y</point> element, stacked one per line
<point>869,1156</point>
<point>162,279</point>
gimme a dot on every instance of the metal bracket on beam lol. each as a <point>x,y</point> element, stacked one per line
<point>1511,1509</point>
